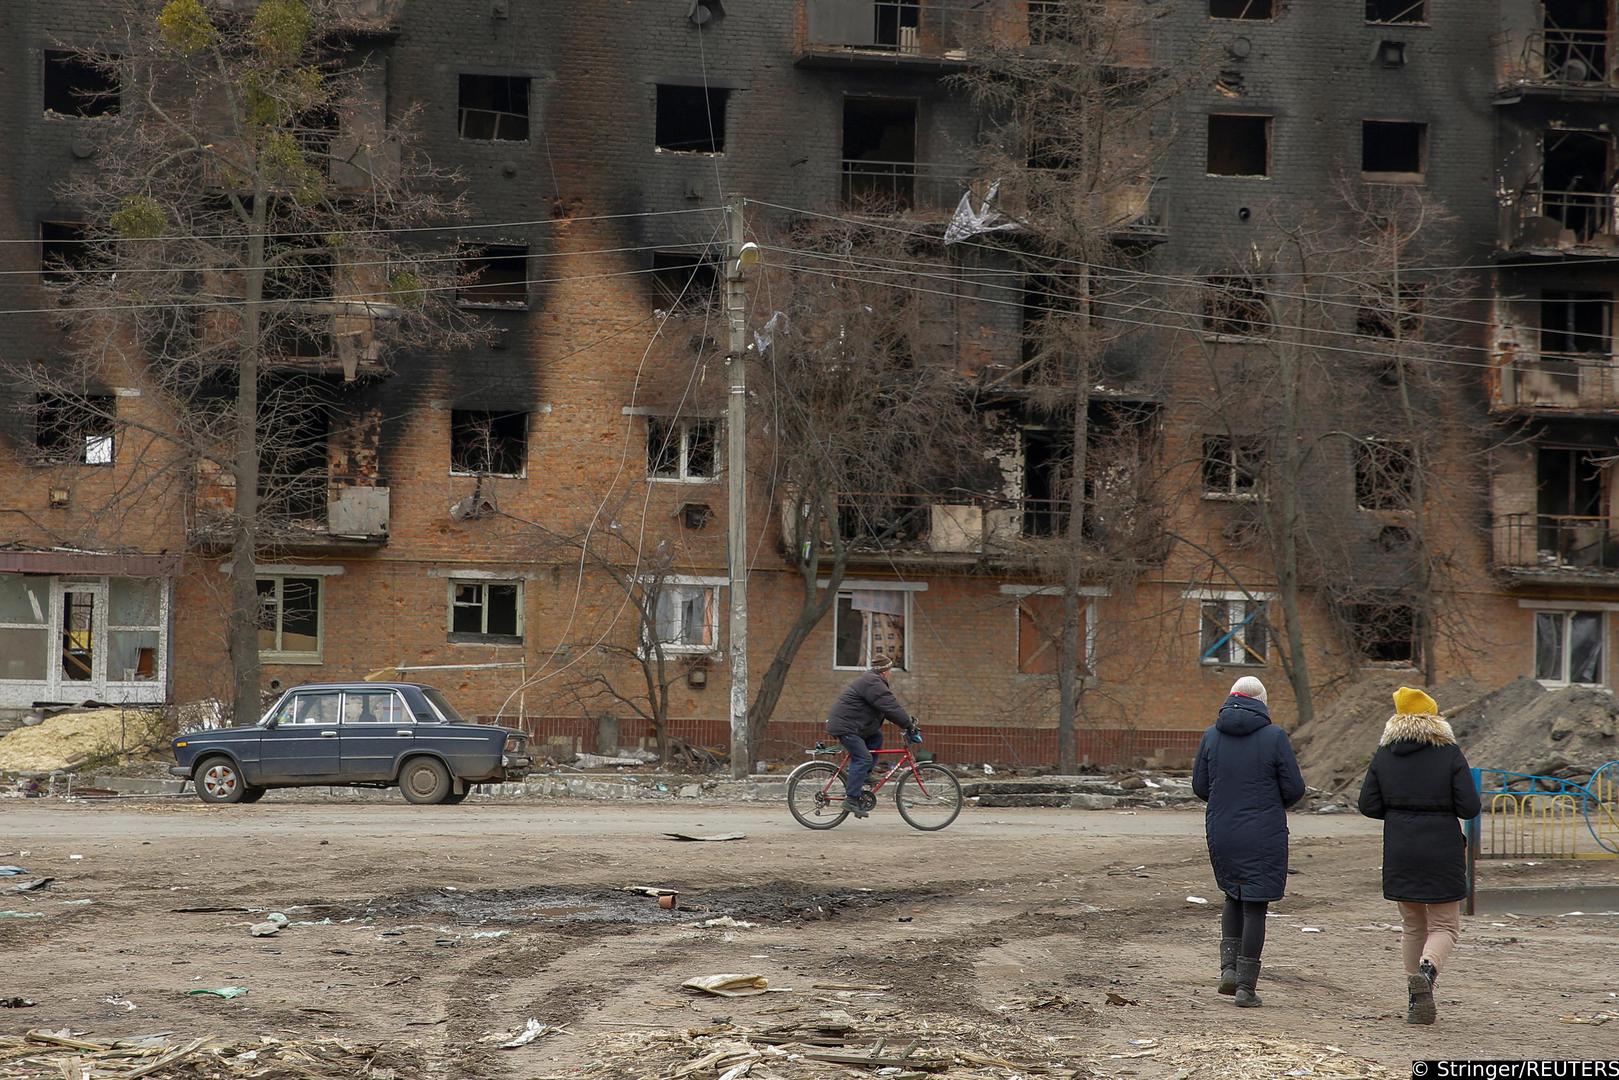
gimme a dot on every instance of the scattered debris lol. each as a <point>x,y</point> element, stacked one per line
<point>728,985</point>
<point>121,1002</point>
<point>17,1003</point>
<point>598,761</point>
<point>69,740</point>
<point>59,1054</point>
<point>11,871</point>
<point>717,839</point>
<point>728,922</point>
<point>1120,999</point>
<point>1310,929</point>
<point>265,929</point>
<point>32,886</point>
<point>872,988</point>
<point>226,992</point>
<point>22,915</point>
<point>531,1031</point>
<point>1197,899</point>
<point>1597,1018</point>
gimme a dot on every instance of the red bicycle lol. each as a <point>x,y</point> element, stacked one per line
<point>928,795</point>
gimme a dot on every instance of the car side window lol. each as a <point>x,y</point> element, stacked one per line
<point>373,707</point>
<point>313,709</point>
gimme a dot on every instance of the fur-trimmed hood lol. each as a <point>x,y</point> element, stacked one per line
<point>1418,729</point>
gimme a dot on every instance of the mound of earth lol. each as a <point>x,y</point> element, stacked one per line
<point>1524,727</point>
<point>69,740</point>
<point>1335,748</point>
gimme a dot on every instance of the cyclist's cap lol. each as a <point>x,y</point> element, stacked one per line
<point>881,663</point>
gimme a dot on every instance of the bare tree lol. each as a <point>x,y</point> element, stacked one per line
<point>245,240</point>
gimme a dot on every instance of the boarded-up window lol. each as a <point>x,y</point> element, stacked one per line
<point>1039,635</point>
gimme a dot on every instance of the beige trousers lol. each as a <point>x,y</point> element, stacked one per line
<point>1430,933</point>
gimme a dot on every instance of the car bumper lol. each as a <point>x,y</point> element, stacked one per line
<point>182,771</point>
<point>515,766</point>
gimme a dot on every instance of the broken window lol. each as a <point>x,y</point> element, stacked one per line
<point>1572,505</point>
<point>1239,145</point>
<point>685,284</point>
<point>1575,323</point>
<point>65,254</point>
<point>1232,467</point>
<point>1235,306</point>
<point>1049,22</point>
<point>868,623</point>
<point>486,611</point>
<point>898,25</point>
<point>691,119</point>
<point>1039,635</point>
<point>494,108</point>
<point>1396,11</point>
<point>1570,646</point>
<point>1045,507</point>
<point>681,449</point>
<point>76,430</point>
<point>299,271</point>
<point>1576,167</point>
<point>1384,632</point>
<point>1242,9</point>
<point>687,616</point>
<point>1384,474</point>
<point>1233,631</point>
<point>295,466</point>
<point>290,619</point>
<point>1376,315</point>
<point>495,276</point>
<point>80,85</point>
<point>1392,150</point>
<point>879,153</point>
<point>1576,40</point>
<point>488,443</point>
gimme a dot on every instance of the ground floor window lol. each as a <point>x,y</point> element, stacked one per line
<point>687,616</point>
<point>1233,631</point>
<point>290,619</point>
<point>84,637</point>
<point>486,611</point>
<point>1570,647</point>
<point>868,623</point>
<point>1039,635</point>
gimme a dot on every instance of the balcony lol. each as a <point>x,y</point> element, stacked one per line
<point>1556,223</point>
<point>897,187</point>
<point>306,509</point>
<point>1576,63</point>
<point>1135,209</point>
<point>1557,548</point>
<point>913,34</point>
<point>1574,382</point>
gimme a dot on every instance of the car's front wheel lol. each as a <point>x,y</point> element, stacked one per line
<point>253,794</point>
<point>424,781</point>
<point>218,780</point>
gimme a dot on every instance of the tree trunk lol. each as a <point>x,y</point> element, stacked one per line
<point>1070,651</point>
<point>1288,577</point>
<point>243,620</point>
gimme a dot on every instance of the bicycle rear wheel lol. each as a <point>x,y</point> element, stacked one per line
<point>932,803</point>
<point>815,795</point>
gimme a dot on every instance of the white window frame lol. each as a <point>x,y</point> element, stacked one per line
<point>1567,615</point>
<point>848,589</point>
<point>1231,598</point>
<point>1230,462</point>
<point>280,656</point>
<point>683,474</point>
<point>681,581</point>
<point>161,675</point>
<point>1090,593</point>
<point>482,584</point>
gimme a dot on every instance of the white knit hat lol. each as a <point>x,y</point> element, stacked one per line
<point>1248,686</point>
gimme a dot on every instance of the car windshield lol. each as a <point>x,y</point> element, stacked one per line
<point>443,706</point>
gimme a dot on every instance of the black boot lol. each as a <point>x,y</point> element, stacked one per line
<point>1420,1008</point>
<point>1247,979</point>
<point>1228,964</point>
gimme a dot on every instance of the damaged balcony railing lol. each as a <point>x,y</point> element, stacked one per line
<point>1584,381</point>
<point>1561,220</point>
<point>1557,544</point>
<point>921,29</point>
<point>1564,60</point>
<point>955,523</point>
<point>312,505</point>
<point>891,187</point>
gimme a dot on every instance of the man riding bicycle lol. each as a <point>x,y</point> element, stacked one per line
<point>856,721</point>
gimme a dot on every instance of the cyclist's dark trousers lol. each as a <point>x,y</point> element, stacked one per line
<point>860,759</point>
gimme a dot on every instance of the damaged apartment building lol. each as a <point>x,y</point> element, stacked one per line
<point>424,502</point>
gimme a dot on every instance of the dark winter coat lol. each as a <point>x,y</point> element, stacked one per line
<point>863,706</point>
<point>1248,775</point>
<point>1419,783</point>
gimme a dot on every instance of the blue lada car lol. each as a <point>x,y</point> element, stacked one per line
<point>367,734</point>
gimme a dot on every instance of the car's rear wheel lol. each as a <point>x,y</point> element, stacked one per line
<point>452,799</point>
<point>424,781</point>
<point>219,781</point>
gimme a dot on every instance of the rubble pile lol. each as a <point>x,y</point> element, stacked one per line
<point>1084,792</point>
<point>1522,727</point>
<point>51,1055</point>
<point>69,740</point>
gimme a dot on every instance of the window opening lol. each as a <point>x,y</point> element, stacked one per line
<point>687,617</point>
<point>682,449</point>
<point>879,153</point>
<point>1376,316</point>
<point>1575,182</point>
<point>486,611</point>
<point>494,108</point>
<point>868,623</point>
<point>1396,11</point>
<point>1572,505</point>
<point>1239,145</point>
<point>64,252</point>
<point>76,430</point>
<point>496,276</point>
<point>25,627</point>
<point>1575,35</point>
<point>898,25</point>
<point>1234,632</point>
<point>1232,467</point>
<point>289,617</point>
<point>1241,9</point>
<point>1045,505</point>
<point>1575,323</point>
<point>488,443</point>
<point>1393,150</point>
<point>79,85</point>
<point>691,119</point>
<point>1570,647</point>
<point>685,284</point>
<point>134,629</point>
<point>1384,475</point>
<point>1235,306</point>
<point>1384,633</point>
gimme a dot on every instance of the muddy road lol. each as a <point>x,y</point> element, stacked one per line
<point>434,930</point>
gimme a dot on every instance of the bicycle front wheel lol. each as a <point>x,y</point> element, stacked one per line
<point>929,798</point>
<point>815,795</point>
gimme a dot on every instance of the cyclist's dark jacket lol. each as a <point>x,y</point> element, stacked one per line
<point>862,707</point>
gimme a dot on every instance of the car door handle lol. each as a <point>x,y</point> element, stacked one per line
<point>406,733</point>
<point>328,734</point>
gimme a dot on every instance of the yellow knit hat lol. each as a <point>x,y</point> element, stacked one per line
<point>1409,701</point>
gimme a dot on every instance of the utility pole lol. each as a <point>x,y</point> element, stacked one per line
<point>736,428</point>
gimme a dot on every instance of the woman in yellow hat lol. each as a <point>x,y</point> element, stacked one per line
<point>1419,783</point>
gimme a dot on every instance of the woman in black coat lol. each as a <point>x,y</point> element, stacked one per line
<point>1248,775</point>
<point>1419,783</point>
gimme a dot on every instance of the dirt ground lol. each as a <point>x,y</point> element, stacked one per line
<point>450,925</point>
